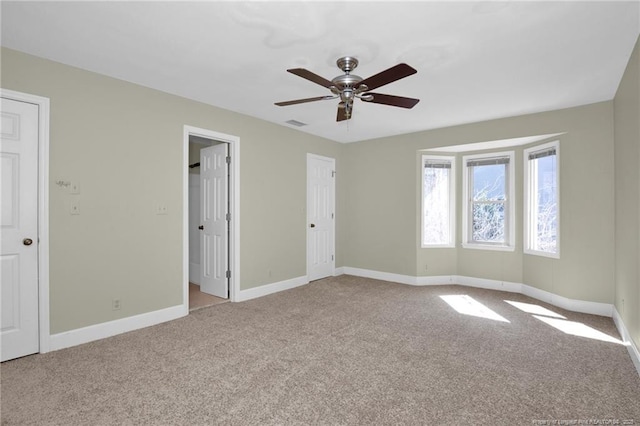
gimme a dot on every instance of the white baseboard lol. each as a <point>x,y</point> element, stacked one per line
<point>266,289</point>
<point>595,308</point>
<point>88,334</point>
<point>435,280</point>
<point>634,353</point>
<point>586,307</point>
<point>487,284</point>
<point>111,328</point>
<point>384,276</point>
<point>338,271</point>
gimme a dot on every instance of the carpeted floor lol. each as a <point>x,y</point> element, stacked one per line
<point>342,350</point>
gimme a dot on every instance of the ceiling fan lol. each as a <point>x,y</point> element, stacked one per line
<point>349,86</point>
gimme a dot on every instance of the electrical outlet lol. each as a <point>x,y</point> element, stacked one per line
<point>115,304</point>
<point>426,267</point>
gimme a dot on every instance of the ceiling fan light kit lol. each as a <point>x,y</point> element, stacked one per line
<point>348,87</point>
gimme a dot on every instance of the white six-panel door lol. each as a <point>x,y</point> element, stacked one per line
<point>19,226</point>
<point>214,209</point>
<point>320,216</point>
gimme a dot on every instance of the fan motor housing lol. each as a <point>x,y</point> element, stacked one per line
<point>347,80</point>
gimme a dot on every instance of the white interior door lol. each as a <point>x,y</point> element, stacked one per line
<point>194,231</point>
<point>214,179</point>
<point>19,222</point>
<point>320,216</point>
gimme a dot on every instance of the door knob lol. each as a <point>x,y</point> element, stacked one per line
<point>201,227</point>
<point>27,241</point>
<point>313,225</point>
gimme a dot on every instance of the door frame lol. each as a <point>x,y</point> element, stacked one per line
<point>234,201</point>
<point>333,201</point>
<point>43,211</point>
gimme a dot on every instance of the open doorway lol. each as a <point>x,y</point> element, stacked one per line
<point>211,217</point>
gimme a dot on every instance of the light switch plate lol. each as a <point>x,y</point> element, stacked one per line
<point>161,209</point>
<point>75,207</point>
<point>74,188</point>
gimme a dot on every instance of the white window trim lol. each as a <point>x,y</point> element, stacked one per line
<point>452,200</point>
<point>511,204</point>
<point>526,228</point>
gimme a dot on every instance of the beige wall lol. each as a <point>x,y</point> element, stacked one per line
<point>380,207</point>
<point>123,144</point>
<point>627,195</point>
<point>383,221</point>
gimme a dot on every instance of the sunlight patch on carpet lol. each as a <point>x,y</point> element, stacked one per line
<point>578,329</point>
<point>467,305</point>
<point>530,308</point>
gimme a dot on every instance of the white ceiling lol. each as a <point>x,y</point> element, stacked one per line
<point>475,60</point>
<point>503,143</point>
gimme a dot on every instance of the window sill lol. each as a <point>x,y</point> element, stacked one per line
<point>542,254</point>
<point>488,247</point>
<point>429,246</point>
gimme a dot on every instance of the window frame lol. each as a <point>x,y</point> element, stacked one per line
<point>527,200</point>
<point>510,205</point>
<point>452,200</point>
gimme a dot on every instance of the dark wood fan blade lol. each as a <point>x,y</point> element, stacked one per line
<point>342,112</point>
<point>301,101</point>
<point>388,76</point>
<point>301,72</point>
<point>398,101</point>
